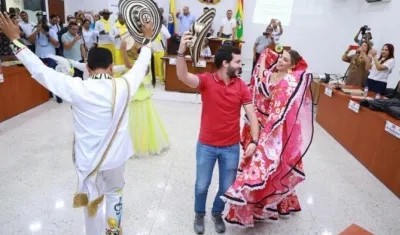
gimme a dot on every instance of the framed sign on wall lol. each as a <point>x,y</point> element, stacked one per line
<point>211,2</point>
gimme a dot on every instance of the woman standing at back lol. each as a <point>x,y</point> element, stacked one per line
<point>360,64</point>
<point>382,66</point>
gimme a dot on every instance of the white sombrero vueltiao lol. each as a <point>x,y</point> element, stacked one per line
<point>136,13</point>
<point>199,30</point>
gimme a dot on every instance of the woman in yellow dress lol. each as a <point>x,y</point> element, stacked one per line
<point>148,134</point>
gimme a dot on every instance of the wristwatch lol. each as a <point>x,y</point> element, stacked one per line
<point>255,142</point>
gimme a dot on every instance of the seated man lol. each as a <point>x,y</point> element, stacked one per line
<point>102,143</point>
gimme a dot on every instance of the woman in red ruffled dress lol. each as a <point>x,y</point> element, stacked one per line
<point>264,187</point>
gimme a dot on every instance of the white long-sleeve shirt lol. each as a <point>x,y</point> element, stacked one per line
<point>28,28</point>
<point>91,102</point>
<point>103,38</point>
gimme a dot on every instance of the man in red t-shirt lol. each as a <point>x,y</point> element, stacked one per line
<point>223,94</point>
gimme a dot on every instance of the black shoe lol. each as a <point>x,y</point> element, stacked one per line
<point>199,224</point>
<point>50,95</point>
<point>59,100</point>
<point>219,223</point>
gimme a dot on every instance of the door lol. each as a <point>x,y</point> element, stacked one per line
<point>56,7</point>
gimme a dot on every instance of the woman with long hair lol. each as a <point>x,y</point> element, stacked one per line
<point>264,187</point>
<point>382,66</point>
<point>148,134</point>
<point>360,64</point>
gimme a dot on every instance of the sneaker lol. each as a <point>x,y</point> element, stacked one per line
<point>219,223</point>
<point>59,100</point>
<point>199,224</point>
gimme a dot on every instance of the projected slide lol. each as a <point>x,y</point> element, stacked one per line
<point>265,10</point>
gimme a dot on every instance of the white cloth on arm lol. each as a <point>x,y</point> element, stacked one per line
<point>82,67</point>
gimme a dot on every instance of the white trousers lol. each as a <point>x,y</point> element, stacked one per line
<point>108,218</point>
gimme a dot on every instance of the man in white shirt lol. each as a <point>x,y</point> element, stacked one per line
<point>262,42</point>
<point>103,27</point>
<point>102,142</point>
<point>57,28</point>
<point>228,26</point>
<point>27,27</point>
<point>45,43</point>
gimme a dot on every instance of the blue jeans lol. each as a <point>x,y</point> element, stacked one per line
<point>228,161</point>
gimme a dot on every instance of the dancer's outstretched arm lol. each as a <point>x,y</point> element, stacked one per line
<point>60,84</point>
<point>136,75</point>
<point>189,79</point>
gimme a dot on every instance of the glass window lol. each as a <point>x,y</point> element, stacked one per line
<point>31,7</point>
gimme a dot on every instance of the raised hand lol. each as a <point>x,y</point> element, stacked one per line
<point>147,29</point>
<point>185,39</point>
<point>10,29</point>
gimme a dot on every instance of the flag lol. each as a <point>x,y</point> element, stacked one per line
<point>239,20</point>
<point>171,17</point>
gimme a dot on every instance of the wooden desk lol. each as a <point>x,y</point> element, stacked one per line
<point>19,92</point>
<point>216,43</point>
<point>354,229</point>
<point>172,82</point>
<point>363,135</point>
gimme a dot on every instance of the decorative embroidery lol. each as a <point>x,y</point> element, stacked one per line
<point>114,229</point>
<point>101,76</point>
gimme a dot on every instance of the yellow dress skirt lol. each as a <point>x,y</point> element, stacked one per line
<point>148,134</point>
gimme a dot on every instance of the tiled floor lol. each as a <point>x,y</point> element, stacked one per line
<point>38,180</point>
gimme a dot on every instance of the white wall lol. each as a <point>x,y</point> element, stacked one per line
<point>20,4</point>
<point>321,30</point>
<point>15,3</point>
<point>72,6</point>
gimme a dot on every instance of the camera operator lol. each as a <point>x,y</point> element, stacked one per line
<point>262,42</point>
<point>45,40</point>
<point>366,36</point>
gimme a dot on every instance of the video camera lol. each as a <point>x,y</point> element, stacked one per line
<point>364,29</point>
<point>42,20</point>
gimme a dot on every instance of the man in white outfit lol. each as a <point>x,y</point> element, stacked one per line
<point>102,142</point>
